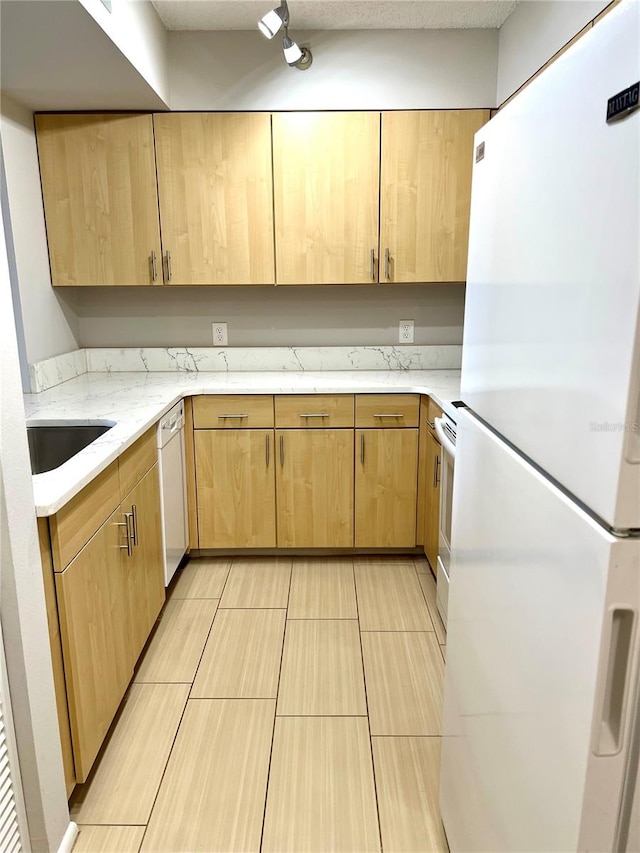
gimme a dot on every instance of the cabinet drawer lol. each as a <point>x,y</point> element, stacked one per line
<point>314,411</point>
<point>76,522</point>
<point>232,411</point>
<point>136,461</point>
<point>387,410</point>
<point>433,411</point>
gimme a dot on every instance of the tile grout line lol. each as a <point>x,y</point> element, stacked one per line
<point>366,698</point>
<point>275,711</point>
<point>175,737</point>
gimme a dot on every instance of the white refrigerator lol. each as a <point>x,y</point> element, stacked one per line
<point>541,722</point>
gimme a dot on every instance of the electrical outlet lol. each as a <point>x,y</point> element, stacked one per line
<point>220,335</point>
<point>406,332</point>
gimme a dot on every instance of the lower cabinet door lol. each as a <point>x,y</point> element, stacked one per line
<point>432,501</point>
<point>386,488</point>
<point>94,625</point>
<point>314,487</point>
<point>235,485</point>
<point>144,566</point>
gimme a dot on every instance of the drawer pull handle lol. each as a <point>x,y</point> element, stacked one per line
<point>281,450</point>
<point>237,417</point>
<point>389,415</point>
<point>267,450</point>
<point>315,415</point>
<point>362,448</point>
<point>129,546</point>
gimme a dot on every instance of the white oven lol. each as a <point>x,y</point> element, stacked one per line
<point>446,432</point>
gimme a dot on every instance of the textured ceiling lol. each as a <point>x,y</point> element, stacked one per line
<point>336,14</point>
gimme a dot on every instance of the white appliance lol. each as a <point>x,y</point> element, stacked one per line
<point>541,724</point>
<point>446,431</point>
<point>173,486</point>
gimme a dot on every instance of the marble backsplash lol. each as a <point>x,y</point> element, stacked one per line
<point>54,371</point>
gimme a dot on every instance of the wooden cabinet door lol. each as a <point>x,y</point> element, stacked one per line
<point>57,664</point>
<point>326,170</point>
<point>100,198</point>
<point>145,566</point>
<point>235,485</point>
<point>427,159</point>
<point>432,501</point>
<point>94,625</point>
<point>216,197</point>
<point>314,488</point>
<point>386,488</point>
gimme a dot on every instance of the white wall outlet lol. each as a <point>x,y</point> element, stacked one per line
<point>220,335</point>
<point>406,332</point>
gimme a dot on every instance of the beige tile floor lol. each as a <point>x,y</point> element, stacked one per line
<point>284,705</point>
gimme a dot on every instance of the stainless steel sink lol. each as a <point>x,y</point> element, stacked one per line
<point>53,443</point>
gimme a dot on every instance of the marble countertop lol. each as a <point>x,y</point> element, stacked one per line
<point>135,401</point>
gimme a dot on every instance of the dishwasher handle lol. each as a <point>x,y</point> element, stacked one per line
<point>444,439</point>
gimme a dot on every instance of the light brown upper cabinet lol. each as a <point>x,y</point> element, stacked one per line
<point>216,197</point>
<point>326,169</point>
<point>426,193</point>
<point>100,199</point>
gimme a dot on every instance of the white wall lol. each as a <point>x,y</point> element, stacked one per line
<point>137,31</point>
<point>353,69</point>
<point>56,56</point>
<point>534,31</point>
<point>22,605</point>
<point>275,316</point>
<point>50,327</point>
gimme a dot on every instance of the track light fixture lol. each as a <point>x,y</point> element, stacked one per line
<point>296,56</point>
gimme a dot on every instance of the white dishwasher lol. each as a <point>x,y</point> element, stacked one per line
<point>173,488</point>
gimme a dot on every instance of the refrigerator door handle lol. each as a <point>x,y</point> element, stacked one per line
<point>614,685</point>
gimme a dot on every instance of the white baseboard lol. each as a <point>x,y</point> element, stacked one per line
<point>69,838</point>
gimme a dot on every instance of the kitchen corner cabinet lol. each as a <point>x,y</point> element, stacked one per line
<point>98,178</point>
<point>326,170</point>
<point>425,198</point>
<point>216,202</point>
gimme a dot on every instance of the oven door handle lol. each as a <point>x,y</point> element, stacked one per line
<point>445,441</point>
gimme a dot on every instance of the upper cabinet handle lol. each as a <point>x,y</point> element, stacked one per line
<point>168,265</point>
<point>373,265</point>
<point>387,265</point>
<point>154,266</point>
